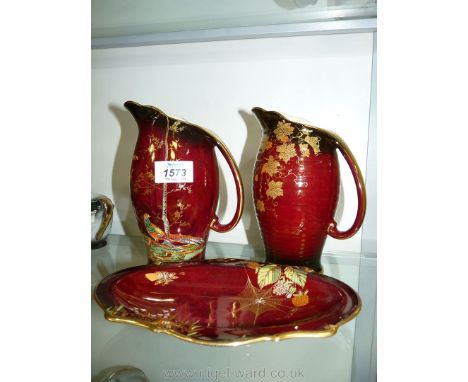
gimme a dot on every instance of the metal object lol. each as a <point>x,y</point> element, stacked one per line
<point>101,220</point>
<point>125,374</point>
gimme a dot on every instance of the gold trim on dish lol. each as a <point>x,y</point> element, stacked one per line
<point>330,330</point>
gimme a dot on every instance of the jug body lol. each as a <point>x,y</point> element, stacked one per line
<point>174,186</point>
<point>296,189</point>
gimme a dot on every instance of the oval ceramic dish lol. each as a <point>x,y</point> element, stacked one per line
<point>228,302</point>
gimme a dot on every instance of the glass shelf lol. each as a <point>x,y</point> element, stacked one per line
<point>163,357</point>
<point>129,23</point>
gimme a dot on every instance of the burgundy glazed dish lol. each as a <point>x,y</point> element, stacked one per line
<point>296,187</point>
<point>228,302</point>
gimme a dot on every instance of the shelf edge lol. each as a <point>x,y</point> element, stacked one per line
<point>238,33</point>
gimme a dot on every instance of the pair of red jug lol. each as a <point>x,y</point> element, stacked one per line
<point>174,187</point>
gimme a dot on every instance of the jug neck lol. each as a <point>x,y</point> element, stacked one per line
<point>150,117</point>
<point>267,119</point>
<point>271,120</point>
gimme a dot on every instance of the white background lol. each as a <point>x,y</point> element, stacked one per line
<point>323,79</point>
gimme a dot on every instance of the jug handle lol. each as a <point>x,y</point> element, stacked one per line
<point>333,231</point>
<point>107,216</point>
<point>215,224</point>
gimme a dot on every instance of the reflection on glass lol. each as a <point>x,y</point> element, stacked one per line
<point>128,17</point>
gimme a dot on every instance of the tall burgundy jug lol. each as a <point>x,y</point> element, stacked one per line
<point>296,188</point>
<point>174,185</point>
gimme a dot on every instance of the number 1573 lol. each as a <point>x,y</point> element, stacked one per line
<point>175,172</point>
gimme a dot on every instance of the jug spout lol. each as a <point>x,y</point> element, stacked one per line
<point>268,119</point>
<point>260,114</point>
<point>139,112</point>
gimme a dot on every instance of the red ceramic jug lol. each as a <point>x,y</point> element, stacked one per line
<point>296,189</point>
<point>174,185</point>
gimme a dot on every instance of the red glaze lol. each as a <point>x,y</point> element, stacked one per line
<point>175,218</point>
<point>226,300</point>
<point>296,189</point>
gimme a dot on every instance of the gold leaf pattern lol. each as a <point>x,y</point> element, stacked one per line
<point>286,151</point>
<point>270,167</point>
<point>150,175</point>
<point>260,205</point>
<point>155,144</point>
<point>304,149</point>
<point>283,138</point>
<point>175,127</point>
<point>314,143</point>
<point>144,182</point>
<point>275,189</point>
<point>161,278</point>
<point>283,130</point>
<point>266,144</point>
<point>178,214</point>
